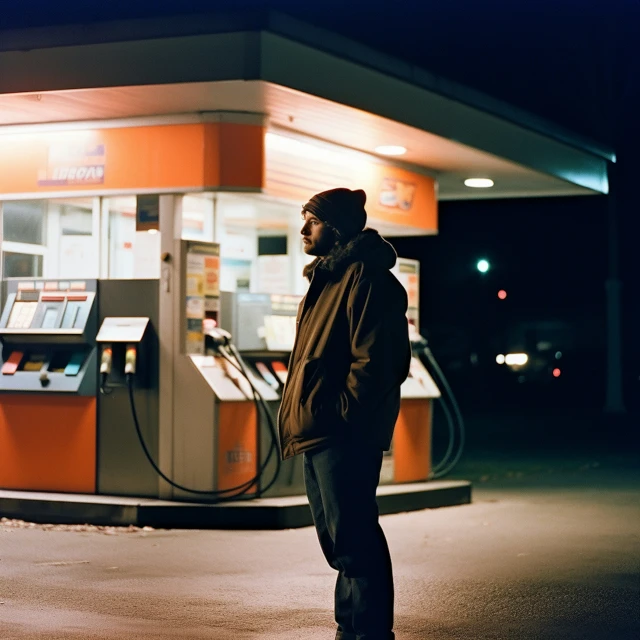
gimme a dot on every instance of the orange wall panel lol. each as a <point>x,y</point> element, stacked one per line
<point>48,443</point>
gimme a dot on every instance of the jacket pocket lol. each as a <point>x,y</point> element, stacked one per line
<point>311,378</point>
<point>308,398</point>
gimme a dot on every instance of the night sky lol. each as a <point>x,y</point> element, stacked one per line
<point>572,62</point>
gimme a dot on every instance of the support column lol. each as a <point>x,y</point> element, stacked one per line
<point>105,239</point>
<point>170,230</point>
<point>614,402</point>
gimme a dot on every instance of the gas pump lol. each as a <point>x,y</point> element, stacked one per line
<point>264,330</point>
<point>449,405</point>
<point>410,458</point>
<point>48,386</point>
<point>215,401</point>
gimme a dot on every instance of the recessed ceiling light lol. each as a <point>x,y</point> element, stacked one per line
<point>478,183</point>
<point>391,150</point>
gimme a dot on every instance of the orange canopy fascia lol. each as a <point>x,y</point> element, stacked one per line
<point>142,158</point>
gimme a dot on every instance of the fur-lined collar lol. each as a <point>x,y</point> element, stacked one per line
<point>368,247</point>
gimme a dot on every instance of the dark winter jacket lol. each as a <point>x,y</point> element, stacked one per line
<point>351,352</point>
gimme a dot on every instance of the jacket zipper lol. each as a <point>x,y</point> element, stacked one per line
<point>292,377</point>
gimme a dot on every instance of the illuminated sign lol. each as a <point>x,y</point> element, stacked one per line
<point>397,194</point>
<point>73,163</point>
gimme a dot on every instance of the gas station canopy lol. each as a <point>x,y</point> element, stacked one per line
<point>298,80</point>
<point>151,180</point>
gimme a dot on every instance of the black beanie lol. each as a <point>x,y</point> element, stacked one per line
<point>342,209</point>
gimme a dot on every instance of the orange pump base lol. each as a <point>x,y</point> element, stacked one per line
<point>237,445</point>
<point>48,443</point>
<point>412,441</point>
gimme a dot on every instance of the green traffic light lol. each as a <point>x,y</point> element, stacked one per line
<point>483,266</point>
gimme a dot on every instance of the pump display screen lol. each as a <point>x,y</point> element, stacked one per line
<point>50,317</point>
<point>22,315</point>
<point>280,332</point>
<point>70,315</point>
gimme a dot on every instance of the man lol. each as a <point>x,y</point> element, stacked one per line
<point>342,399</point>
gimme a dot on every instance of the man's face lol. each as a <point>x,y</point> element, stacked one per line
<point>317,238</point>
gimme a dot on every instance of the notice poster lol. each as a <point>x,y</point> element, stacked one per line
<point>201,292</point>
<point>408,273</point>
<point>194,303</point>
<point>195,274</point>
<point>195,337</point>
<point>412,289</point>
<point>212,276</point>
<point>147,212</point>
<point>195,307</point>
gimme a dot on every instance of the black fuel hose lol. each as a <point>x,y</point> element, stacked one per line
<point>218,495</point>
<point>454,419</point>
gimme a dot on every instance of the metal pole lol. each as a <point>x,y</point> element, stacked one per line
<point>614,402</point>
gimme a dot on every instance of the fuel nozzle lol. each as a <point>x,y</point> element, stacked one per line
<point>106,360</point>
<point>105,368</point>
<point>219,337</point>
<point>130,358</point>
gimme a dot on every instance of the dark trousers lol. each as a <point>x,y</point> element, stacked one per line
<point>341,483</point>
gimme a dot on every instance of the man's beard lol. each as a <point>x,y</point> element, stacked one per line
<point>322,247</point>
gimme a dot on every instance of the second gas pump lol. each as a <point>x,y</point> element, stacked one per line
<point>213,405</point>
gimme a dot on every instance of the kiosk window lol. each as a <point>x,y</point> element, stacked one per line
<point>50,316</point>
<point>24,221</point>
<point>21,265</point>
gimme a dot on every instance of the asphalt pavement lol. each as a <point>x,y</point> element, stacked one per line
<point>549,549</point>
